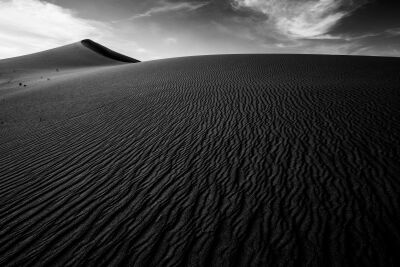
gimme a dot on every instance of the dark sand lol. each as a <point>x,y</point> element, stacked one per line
<point>235,160</point>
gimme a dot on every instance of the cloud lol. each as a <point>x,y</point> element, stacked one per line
<point>170,41</point>
<point>393,31</point>
<point>29,26</point>
<point>166,6</point>
<point>301,18</point>
<point>142,50</point>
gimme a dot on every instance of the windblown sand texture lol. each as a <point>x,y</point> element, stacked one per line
<point>233,160</point>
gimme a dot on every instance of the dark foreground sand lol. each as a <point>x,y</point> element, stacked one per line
<point>236,160</point>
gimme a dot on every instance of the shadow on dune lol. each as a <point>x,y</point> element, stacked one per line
<point>102,50</point>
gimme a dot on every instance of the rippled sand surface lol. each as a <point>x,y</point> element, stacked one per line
<point>235,160</point>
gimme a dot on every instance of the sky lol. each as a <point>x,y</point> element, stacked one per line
<point>155,29</point>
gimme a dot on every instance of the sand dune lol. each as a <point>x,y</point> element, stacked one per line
<point>81,54</point>
<point>234,160</point>
<point>42,67</point>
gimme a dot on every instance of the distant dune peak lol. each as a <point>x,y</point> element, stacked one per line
<point>104,51</point>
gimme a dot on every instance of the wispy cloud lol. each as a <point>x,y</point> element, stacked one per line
<point>301,19</point>
<point>393,31</point>
<point>29,26</point>
<point>170,41</point>
<point>165,6</point>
